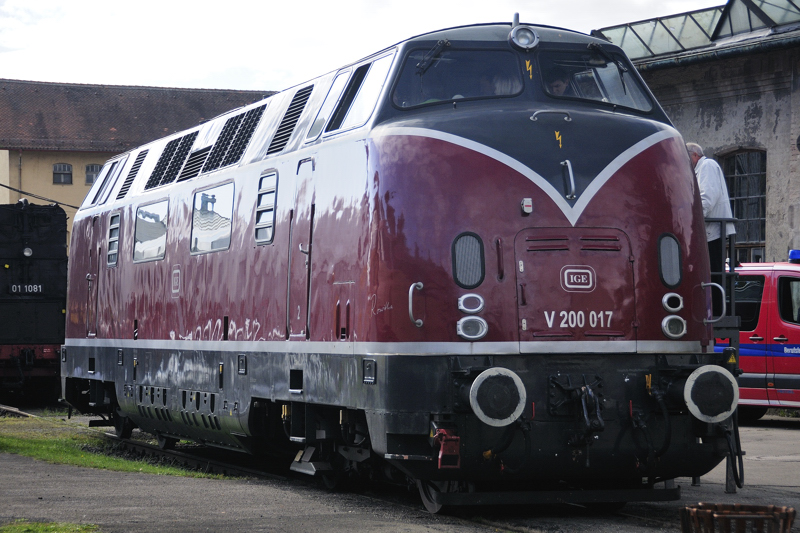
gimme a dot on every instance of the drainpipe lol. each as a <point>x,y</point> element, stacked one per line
<point>19,194</point>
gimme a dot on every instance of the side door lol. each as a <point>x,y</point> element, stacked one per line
<point>95,254</point>
<point>753,296</point>
<point>301,234</point>
<point>785,339</point>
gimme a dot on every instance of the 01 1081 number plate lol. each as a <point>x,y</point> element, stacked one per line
<point>25,288</point>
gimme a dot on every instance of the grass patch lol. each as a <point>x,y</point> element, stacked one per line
<point>56,441</point>
<point>23,526</point>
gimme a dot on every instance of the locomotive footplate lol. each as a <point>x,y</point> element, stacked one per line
<point>538,497</point>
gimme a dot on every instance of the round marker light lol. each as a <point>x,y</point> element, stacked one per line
<point>27,252</point>
<point>471,304</point>
<point>673,327</point>
<point>672,302</point>
<point>524,38</point>
<point>472,328</point>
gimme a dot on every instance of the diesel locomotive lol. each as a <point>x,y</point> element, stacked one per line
<point>474,261</point>
<point>33,277</point>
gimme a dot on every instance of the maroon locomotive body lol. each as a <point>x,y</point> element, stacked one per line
<point>429,260</point>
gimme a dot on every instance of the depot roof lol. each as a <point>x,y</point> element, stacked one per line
<point>104,118</point>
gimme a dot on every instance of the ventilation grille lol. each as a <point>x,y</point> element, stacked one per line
<point>233,139</point>
<point>171,161</point>
<point>132,174</point>
<point>192,167</point>
<point>552,243</point>
<point>179,158</point>
<point>468,264</point>
<point>289,121</point>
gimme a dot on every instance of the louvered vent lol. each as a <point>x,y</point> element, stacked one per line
<point>289,121</point>
<point>224,140</point>
<point>162,164</point>
<point>233,139</point>
<point>179,158</point>
<point>132,174</point>
<point>242,139</point>
<point>171,161</point>
<point>192,167</point>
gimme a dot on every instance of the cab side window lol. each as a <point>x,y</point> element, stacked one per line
<point>789,299</point>
<point>749,291</point>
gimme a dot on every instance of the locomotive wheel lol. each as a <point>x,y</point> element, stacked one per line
<point>123,427</point>
<point>427,489</point>
<point>166,443</point>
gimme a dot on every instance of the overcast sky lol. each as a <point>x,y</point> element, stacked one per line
<point>255,44</point>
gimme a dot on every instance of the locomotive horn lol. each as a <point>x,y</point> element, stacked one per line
<point>711,393</point>
<point>497,397</point>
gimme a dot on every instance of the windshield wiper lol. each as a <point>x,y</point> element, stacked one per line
<point>427,59</point>
<point>621,68</point>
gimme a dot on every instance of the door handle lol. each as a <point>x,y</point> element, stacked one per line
<point>756,338</point>
<point>781,338</point>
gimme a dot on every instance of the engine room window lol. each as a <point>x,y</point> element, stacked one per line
<point>429,77</point>
<point>265,208</point>
<point>593,74</point>
<point>211,219</point>
<point>150,236</point>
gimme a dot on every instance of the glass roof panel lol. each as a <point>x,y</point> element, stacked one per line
<point>623,37</point>
<point>742,20</point>
<point>781,11</point>
<point>694,29</point>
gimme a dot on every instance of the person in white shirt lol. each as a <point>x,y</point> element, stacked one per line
<point>716,204</point>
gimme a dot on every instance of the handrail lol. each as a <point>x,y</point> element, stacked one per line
<point>721,316</point>
<point>567,118</point>
<point>416,321</point>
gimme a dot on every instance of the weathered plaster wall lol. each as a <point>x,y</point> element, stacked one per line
<point>747,102</point>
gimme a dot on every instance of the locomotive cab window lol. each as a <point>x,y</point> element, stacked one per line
<point>593,74</point>
<point>150,236</point>
<point>113,240</point>
<point>361,95</point>
<point>265,208</point>
<point>211,219</point>
<point>429,77</point>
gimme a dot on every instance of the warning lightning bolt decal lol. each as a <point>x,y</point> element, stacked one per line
<point>529,68</point>
<point>558,138</point>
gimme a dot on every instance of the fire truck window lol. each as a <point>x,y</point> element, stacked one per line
<point>748,292</point>
<point>150,236</point>
<point>789,299</point>
<point>211,219</point>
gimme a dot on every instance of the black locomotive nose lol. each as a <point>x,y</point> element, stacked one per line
<point>497,397</point>
<point>711,393</point>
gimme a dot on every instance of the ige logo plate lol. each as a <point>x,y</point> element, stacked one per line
<point>578,278</point>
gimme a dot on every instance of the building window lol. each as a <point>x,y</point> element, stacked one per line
<point>746,177</point>
<point>91,173</point>
<point>62,173</point>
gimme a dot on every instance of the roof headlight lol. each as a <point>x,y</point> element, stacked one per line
<point>27,252</point>
<point>523,38</point>
<point>673,326</point>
